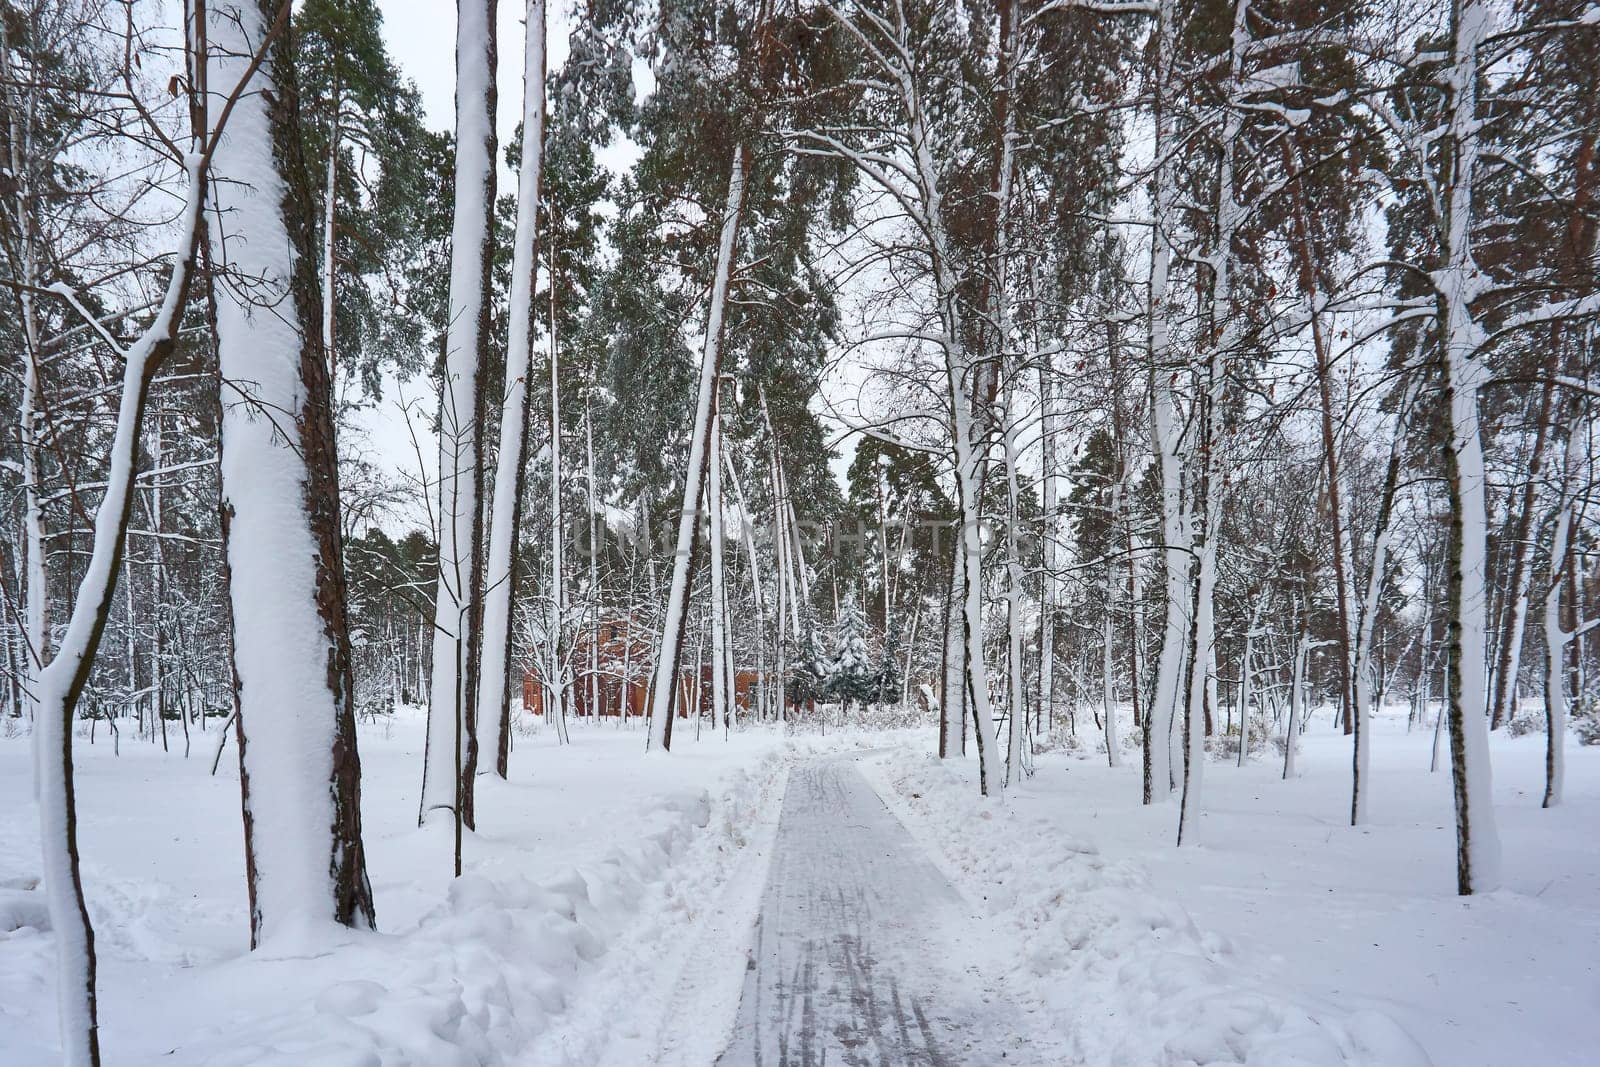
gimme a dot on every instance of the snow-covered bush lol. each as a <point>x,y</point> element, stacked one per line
<point>1525,723</point>
<point>1586,727</point>
<point>1059,738</point>
<point>1226,744</point>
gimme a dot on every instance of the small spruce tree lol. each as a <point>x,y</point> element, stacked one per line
<point>853,678</point>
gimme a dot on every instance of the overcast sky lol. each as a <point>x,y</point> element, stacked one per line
<point>422,35</point>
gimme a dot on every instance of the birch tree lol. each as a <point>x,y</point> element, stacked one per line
<point>494,695</point>
<point>450,762</point>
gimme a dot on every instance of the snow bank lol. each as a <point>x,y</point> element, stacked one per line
<point>671,998</point>
<point>1127,976</point>
<point>489,967</point>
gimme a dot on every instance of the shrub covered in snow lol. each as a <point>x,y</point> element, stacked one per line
<point>1586,727</point>
<point>1525,723</point>
<point>1226,745</point>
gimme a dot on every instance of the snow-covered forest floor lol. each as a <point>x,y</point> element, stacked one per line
<point>606,909</point>
<point>586,842</point>
<point>1291,906</point>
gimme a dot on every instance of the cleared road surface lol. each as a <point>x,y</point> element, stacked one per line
<point>856,957</point>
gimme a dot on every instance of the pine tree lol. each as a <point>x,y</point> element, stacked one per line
<point>852,673</point>
<point>812,677</point>
<point>361,130</point>
<point>886,674</point>
<point>299,771</point>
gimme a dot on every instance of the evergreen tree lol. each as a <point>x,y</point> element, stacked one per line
<point>886,675</point>
<point>853,676</point>
<point>375,165</point>
<point>812,677</point>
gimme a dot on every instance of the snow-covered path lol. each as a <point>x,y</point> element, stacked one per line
<point>853,959</point>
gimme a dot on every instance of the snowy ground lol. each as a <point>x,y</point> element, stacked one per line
<point>1286,925</point>
<point>610,903</point>
<point>589,846</point>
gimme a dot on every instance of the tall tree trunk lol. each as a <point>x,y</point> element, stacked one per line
<point>1557,636</point>
<point>299,772</point>
<point>720,680</point>
<point>952,675</point>
<point>1017,736</point>
<point>330,263</point>
<point>1458,283</point>
<point>453,699</point>
<point>1167,439</point>
<point>1367,615</point>
<point>501,571</point>
<point>1108,694</point>
<point>555,650</point>
<point>669,657</point>
<point>1515,615</point>
<point>59,683</point>
<point>597,605</point>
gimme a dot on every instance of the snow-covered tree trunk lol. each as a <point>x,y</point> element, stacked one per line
<point>952,677</point>
<point>1247,674</point>
<point>451,757</point>
<point>719,606</point>
<point>1108,693</point>
<point>968,455</point>
<point>330,266</point>
<point>299,773</point>
<point>60,683</point>
<point>669,656</point>
<point>1367,616</point>
<point>1201,666</point>
<point>970,553</point>
<point>555,637</point>
<point>1297,699</point>
<point>1458,283</point>
<point>1557,636</point>
<point>1050,593</point>
<point>1015,593</point>
<point>1167,441</point>
<point>783,593</point>
<point>500,571</point>
<point>593,553</point>
<point>922,198</point>
<point>1167,438</point>
<point>1000,312</point>
<point>1212,375</point>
